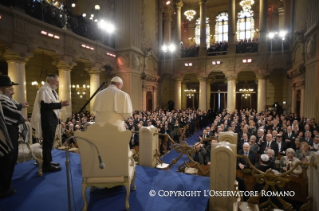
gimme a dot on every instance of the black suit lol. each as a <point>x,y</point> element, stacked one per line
<point>49,122</point>
<point>283,148</point>
<point>273,145</point>
<point>251,156</point>
<point>291,138</point>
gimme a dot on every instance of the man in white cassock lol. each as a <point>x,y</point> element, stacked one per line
<point>112,105</point>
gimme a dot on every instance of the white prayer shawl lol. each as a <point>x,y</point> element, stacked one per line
<point>112,105</point>
<point>44,94</point>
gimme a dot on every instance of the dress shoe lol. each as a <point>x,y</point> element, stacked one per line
<point>55,164</point>
<point>8,193</point>
<point>51,168</point>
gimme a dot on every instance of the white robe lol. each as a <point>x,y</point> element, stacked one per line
<point>113,106</point>
<point>44,94</point>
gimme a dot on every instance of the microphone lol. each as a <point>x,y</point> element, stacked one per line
<point>101,164</point>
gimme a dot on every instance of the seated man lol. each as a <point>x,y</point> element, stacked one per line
<point>272,159</point>
<point>200,155</point>
<point>242,162</point>
<point>264,160</point>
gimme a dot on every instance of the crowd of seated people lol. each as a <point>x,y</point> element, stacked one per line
<point>247,46</point>
<point>190,51</point>
<point>217,48</point>
<point>220,48</point>
<point>264,133</point>
<point>258,133</point>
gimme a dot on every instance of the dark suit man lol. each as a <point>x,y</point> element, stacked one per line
<point>269,144</point>
<point>46,116</point>
<point>242,162</point>
<point>10,120</point>
<point>243,140</point>
<point>308,138</point>
<point>289,137</point>
<point>200,155</point>
<point>282,146</point>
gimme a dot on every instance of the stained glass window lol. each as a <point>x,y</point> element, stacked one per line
<point>221,27</point>
<point>245,25</point>
<point>197,32</point>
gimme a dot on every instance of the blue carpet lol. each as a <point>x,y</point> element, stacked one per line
<point>169,157</point>
<point>49,192</point>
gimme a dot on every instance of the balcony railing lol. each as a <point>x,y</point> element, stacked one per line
<point>61,17</point>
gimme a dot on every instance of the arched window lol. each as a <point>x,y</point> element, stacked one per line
<point>197,32</point>
<point>221,27</point>
<point>245,25</point>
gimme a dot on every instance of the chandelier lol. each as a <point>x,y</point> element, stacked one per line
<point>246,4</point>
<point>246,91</point>
<point>190,92</point>
<point>81,90</point>
<point>190,14</point>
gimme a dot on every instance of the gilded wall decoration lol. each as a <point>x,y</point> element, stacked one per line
<point>311,47</point>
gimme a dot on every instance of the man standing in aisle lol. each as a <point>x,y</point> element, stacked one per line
<point>112,105</point>
<point>9,127</point>
<point>46,117</point>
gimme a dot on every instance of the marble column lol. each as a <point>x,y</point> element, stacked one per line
<point>144,88</point>
<point>231,27</point>
<point>262,25</point>
<point>94,84</point>
<point>179,22</point>
<point>208,90</point>
<point>202,94</point>
<point>160,23</point>
<point>155,99</point>
<point>261,93</point>
<point>293,99</point>
<point>16,72</point>
<point>202,11</point>
<point>65,91</point>
<point>184,97</point>
<point>231,93</point>
<point>167,25</point>
<point>178,93</point>
<point>302,101</point>
<point>281,13</point>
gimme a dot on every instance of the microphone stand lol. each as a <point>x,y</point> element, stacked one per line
<point>67,165</point>
<point>87,102</point>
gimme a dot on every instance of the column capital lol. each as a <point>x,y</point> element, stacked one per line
<point>179,5</point>
<point>202,1</point>
<point>63,64</point>
<point>230,75</point>
<point>202,79</point>
<point>178,80</point>
<point>261,76</point>
<point>21,57</point>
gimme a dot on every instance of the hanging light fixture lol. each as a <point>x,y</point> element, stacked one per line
<point>190,92</point>
<point>190,14</point>
<point>246,4</point>
<point>246,91</point>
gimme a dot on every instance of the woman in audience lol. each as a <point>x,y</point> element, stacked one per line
<point>287,162</point>
<point>297,144</point>
<point>303,152</point>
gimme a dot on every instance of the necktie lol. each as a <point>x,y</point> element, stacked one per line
<point>268,145</point>
<point>54,94</point>
<point>289,135</point>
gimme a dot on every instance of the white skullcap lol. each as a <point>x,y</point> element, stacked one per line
<point>116,79</point>
<point>264,157</point>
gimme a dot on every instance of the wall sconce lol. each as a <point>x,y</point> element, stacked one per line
<point>190,38</point>
<point>284,102</point>
<point>87,47</point>
<point>188,64</point>
<point>168,2</point>
<point>216,62</point>
<point>247,61</point>
<point>110,54</point>
<point>50,35</point>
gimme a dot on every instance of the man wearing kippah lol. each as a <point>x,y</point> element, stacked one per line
<point>112,105</point>
<point>46,117</point>
<point>10,134</point>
